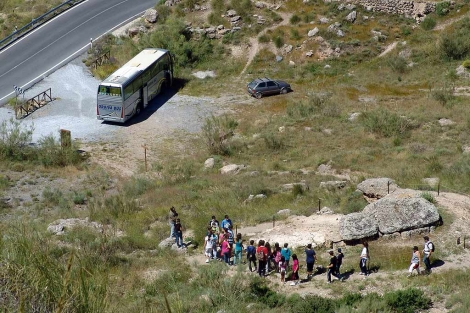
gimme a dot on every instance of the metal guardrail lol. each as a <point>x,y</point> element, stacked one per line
<point>18,33</point>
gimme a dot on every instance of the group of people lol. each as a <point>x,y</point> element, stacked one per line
<point>221,243</point>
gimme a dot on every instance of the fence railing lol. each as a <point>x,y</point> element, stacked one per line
<point>31,105</point>
<point>18,33</point>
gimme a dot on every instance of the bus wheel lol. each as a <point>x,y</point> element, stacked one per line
<point>138,109</point>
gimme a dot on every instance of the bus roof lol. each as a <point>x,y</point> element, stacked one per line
<point>135,66</point>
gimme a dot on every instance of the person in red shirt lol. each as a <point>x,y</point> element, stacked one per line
<point>261,255</point>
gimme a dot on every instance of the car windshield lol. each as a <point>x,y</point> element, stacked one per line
<point>252,84</point>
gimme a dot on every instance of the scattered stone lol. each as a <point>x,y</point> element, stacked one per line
<point>209,163</point>
<point>406,53</point>
<point>61,226</point>
<point>391,236</point>
<point>252,197</point>
<point>324,20</point>
<point>235,19</point>
<point>354,116</point>
<point>259,5</point>
<point>340,33</point>
<point>431,181</point>
<point>133,31</point>
<point>309,53</point>
<point>220,27</point>
<point>327,66</point>
<point>350,6</point>
<point>325,210</point>
<point>291,63</point>
<point>290,187</point>
<point>231,169</point>
<point>231,13</point>
<point>446,122</point>
<point>204,74</point>
<point>351,17</point>
<point>462,72</point>
<point>333,185</point>
<point>466,149</point>
<point>151,15</point>
<point>286,49</point>
<point>282,129</point>
<point>377,187</point>
<point>166,243</point>
<point>284,212</point>
<point>279,58</point>
<point>313,32</point>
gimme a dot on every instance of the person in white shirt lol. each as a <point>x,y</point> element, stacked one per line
<point>427,251</point>
<point>364,258</point>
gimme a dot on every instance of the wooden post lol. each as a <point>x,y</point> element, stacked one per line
<point>319,204</point>
<point>145,156</point>
<point>274,222</point>
<point>388,187</point>
<point>65,138</point>
<point>464,237</point>
<point>438,187</point>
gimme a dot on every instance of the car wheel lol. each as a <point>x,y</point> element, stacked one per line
<point>283,91</point>
<point>258,95</point>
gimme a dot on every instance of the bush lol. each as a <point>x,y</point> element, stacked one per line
<point>385,123</point>
<point>443,95</point>
<point>311,304</point>
<point>51,153</point>
<point>428,23</point>
<point>442,8</point>
<point>428,196</point>
<point>294,19</point>
<point>278,41</point>
<point>407,301</point>
<point>14,140</point>
<point>466,64</point>
<point>263,38</point>
<point>294,34</point>
<point>397,64</point>
<point>216,131</point>
<point>455,42</point>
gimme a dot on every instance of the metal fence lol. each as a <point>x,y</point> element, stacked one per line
<point>18,33</point>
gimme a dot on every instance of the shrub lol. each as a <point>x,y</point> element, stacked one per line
<point>79,198</point>
<point>51,153</point>
<point>443,95</point>
<point>278,41</point>
<point>428,196</point>
<point>14,140</point>
<point>216,131</point>
<point>428,23</point>
<point>466,64</point>
<point>311,304</point>
<point>294,19</point>
<point>455,42</point>
<point>273,141</point>
<point>442,8</point>
<point>397,64</point>
<point>385,123</point>
<point>294,34</point>
<point>263,38</point>
<point>407,301</point>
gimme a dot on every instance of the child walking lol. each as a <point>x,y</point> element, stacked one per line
<point>282,269</point>
<point>238,249</point>
<point>295,270</point>
<point>415,260</point>
<point>251,255</point>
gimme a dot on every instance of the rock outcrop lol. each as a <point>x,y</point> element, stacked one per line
<point>377,187</point>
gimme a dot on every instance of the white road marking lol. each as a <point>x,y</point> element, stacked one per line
<point>79,50</point>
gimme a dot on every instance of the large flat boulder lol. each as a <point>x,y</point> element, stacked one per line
<point>401,214</point>
<point>356,226</point>
<point>377,187</point>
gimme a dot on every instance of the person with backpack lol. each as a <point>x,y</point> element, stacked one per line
<point>415,260</point>
<point>295,270</point>
<point>214,224</point>
<point>238,249</point>
<point>178,233</point>
<point>310,259</point>
<point>332,267</point>
<point>364,258</point>
<point>286,253</point>
<point>427,252</point>
<point>261,255</point>
<point>339,262</point>
<point>231,237</point>
<point>251,255</point>
<point>268,257</point>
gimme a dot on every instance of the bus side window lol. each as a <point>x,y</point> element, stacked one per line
<point>128,91</point>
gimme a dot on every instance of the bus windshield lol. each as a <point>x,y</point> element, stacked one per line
<point>109,91</point>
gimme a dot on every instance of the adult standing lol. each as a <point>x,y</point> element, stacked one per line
<point>310,259</point>
<point>415,260</point>
<point>339,262</point>
<point>225,250</point>
<point>261,255</point>
<point>286,253</point>
<point>208,244</point>
<point>226,222</point>
<point>364,258</point>
<point>178,233</point>
<point>427,251</point>
<point>172,220</point>
<point>332,266</point>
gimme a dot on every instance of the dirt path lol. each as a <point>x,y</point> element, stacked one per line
<point>450,22</point>
<point>254,44</point>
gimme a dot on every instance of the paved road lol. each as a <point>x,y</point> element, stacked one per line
<point>61,40</point>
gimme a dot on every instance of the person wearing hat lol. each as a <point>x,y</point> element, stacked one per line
<point>339,261</point>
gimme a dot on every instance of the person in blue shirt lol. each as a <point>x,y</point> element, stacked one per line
<point>310,260</point>
<point>226,222</point>
<point>286,253</point>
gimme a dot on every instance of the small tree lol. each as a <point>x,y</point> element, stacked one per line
<point>216,131</point>
<point>14,140</point>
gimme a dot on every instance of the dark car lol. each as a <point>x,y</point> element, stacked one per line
<point>266,86</point>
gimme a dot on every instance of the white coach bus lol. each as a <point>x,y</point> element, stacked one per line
<point>130,89</point>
